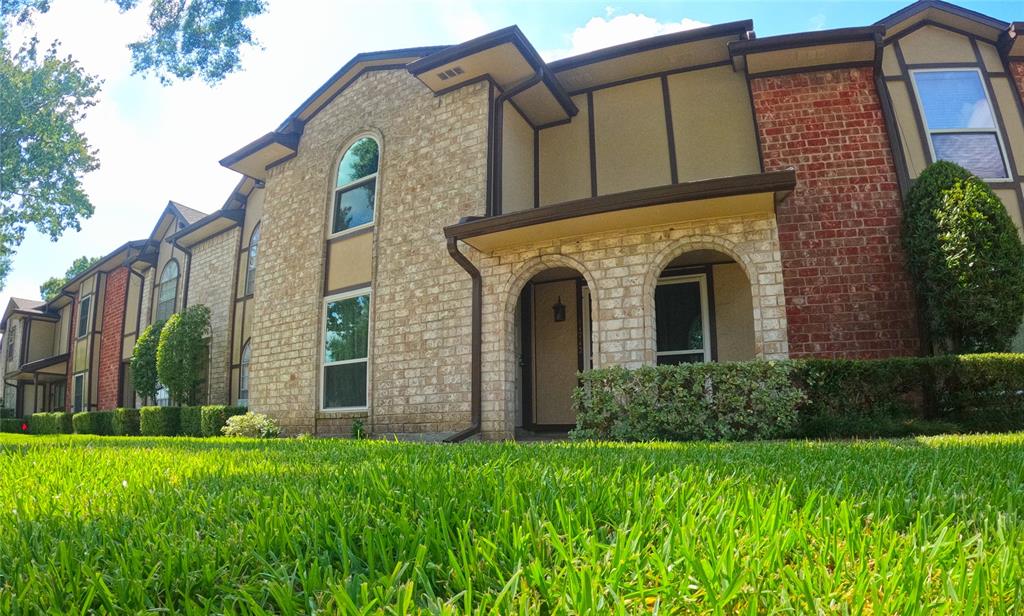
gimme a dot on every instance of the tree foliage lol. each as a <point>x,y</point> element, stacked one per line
<point>49,289</point>
<point>181,356</point>
<point>966,260</point>
<point>143,363</point>
<point>43,156</point>
<point>187,38</point>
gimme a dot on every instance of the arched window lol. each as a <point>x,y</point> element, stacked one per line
<point>250,269</point>
<point>243,375</point>
<point>356,187</point>
<point>167,292</point>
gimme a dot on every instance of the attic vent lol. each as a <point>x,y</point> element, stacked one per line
<point>454,71</point>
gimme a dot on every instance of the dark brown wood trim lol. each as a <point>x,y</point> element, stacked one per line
<point>670,133</point>
<point>654,75</point>
<point>554,124</point>
<point>709,280</point>
<point>120,339</point>
<point>593,144</point>
<point>913,9</point>
<point>775,181</point>
<point>892,128</point>
<point>490,147</point>
<point>280,161</point>
<point>929,22</point>
<point>918,120</point>
<point>757,126</point>
<point>344,235</point>
<point>648,44</point>
<point>348,288</point>
<point>287,140</point>
<point>1013,171</point>
<point>536,168</point>
<point>363,71</point>
<point>459,86</point>
<point>804,39</point>
<point>26,333</point>
<point>814,69</point>
<point>951,65</point>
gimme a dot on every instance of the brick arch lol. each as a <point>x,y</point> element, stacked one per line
<point>691,244</point>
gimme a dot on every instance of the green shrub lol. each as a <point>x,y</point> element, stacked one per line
<point>713,401</point>
<point>834,398</point>
<point>14,425</point>
<point>6,413</point>
<point>159,420</point>
<point>95,422</point>
<point>966,260</point>
<point>143,363</point>
<point>125,422</point>
<point>182,354</point>
<point>215,417</point>
<point>50,423</point>
<point>190,421</point>
<point>252,425</point>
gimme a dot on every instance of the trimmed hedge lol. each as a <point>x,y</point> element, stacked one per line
<point>125,422</point>
<point>215,417</point>
<point>159,420</point>
<point>803,398</point>
<point>190,421</point>
<point>7,413</point>
<point>13,425</point>
<point>93,422</point>
<point>50,423</point>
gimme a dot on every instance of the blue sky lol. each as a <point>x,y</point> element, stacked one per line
<point>158,143</point>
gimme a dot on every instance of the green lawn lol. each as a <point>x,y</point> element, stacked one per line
<point>296,526</point>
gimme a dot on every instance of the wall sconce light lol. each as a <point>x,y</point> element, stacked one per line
<point>559,309</point>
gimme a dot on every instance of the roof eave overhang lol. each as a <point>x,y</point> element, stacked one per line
<point>1011,41</point>
<point>807,50</point>
<point>701,199</point>
<point>925,10</point>
<point>204,229</point>
<point>121,255</point>
<point>254,159</point>
<point>40,364</point>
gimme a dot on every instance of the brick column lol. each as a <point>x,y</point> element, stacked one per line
<point>848,293</point>
<point>111,338</point>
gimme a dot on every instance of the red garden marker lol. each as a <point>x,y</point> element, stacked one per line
<point>24,427</point>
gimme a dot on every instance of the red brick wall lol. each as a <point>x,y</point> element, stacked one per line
<point>1017,74</point>
<point>848,293</point>
<point>111,338</point>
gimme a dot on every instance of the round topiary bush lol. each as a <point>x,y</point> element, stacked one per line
<point>966,261</point>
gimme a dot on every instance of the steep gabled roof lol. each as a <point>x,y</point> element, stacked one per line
<point>943,13</point>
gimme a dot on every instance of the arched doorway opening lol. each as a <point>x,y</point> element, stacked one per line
<point>553,341</point>
<point>703,309</point>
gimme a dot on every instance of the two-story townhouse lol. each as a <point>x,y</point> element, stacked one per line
<point>438,239</point>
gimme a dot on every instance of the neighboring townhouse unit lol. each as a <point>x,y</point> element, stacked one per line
<point>447,235</point>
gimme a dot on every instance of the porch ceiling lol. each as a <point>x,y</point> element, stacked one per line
<point>743,195</point>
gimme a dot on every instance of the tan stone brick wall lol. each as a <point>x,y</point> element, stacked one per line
<point>433,172</point>
<point>622,270</point>
<point>210,284</point>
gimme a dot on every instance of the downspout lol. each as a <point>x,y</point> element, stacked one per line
<point>494,199</point>
<point>476,369</point>
<point>188,272</point>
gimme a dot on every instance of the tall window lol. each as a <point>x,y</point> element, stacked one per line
<point>163,395</point>
<point>10,343</point>
<point>356,186</point>
<point>79,392</point>
<point>84,307</point>
<point>959,121</point>
<point>250,268</point>
<point>243,376</point>
<point>167,292</point>
<point>346,333</point>
<point>681,320</point>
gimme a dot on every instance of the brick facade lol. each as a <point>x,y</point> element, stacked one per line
<point>210,283</point>
<point>848,293</point>
<point>1017,74</point>
<point>622,270</point>
<point>433,172</point>
<point>111,337</point>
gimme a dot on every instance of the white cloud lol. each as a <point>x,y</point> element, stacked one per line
<point>602,32</point>
<point>817,22</point>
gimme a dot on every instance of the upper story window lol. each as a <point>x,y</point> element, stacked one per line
<point>959,121</point>
<point>167,291</point>
<point>243,375</point>
<point>84,308</point>
<point>250,268</point>
<point>356,186</point>
<point>10,343</point>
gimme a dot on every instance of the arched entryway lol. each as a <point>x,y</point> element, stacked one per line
<point>703,310</point>
<point>552,341</point>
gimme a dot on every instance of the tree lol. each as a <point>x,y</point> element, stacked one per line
<point>43,156</point>
<point>181,355</point>
<point>966,260</point>
<point>143,362</point>
<point>49,289</point>
<point>187,38</point>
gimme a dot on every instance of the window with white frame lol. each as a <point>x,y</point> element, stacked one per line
<point>163,395</point>
<point>11,331</point>
<point>243,375</point>
<point>959,122</point>
<point>84,309</point>
<point>355,189</point>
<point>250,266</point>
<point>79,391</point>
<point>167,291</point>
<point>681,320</point>
<point>346,337</point>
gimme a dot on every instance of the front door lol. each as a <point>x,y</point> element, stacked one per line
<point>555,346</point>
